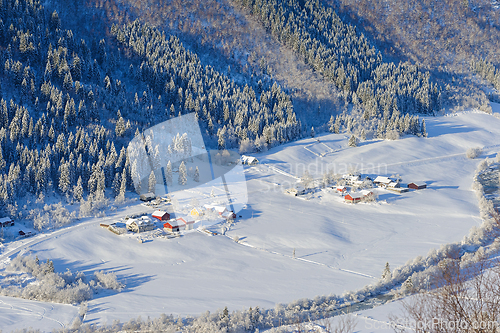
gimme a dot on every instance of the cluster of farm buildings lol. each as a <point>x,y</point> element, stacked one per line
<point>173,224</point>
<point>387,183</point>
<point>354,182</point>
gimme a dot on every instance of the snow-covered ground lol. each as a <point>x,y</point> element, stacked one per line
<point>16,313</point>
<point>337,246</point>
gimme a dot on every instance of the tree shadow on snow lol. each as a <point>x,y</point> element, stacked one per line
<point>61,265</point>
<point>248,213</point>
<point>390,197</point>
<point>441,187</point>
<point>435,129</point>
<point>96,308</point>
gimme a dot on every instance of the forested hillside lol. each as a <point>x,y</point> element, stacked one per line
<point>444,36</point>
<point>385,91</point>
<point>69,106</point>
<point>75,90</point>
<point>435,33</point>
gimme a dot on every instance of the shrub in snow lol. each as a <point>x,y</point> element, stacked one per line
<point>108,281</point>
<point>307,180</point>
<point>247,146</point>
<point>83,309</point>
<point>49,286</point>
<point>473,152</point>
<point>95,205</point>
<point>392,135</point>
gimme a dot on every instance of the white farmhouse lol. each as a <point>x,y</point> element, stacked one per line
<point>140,224</point>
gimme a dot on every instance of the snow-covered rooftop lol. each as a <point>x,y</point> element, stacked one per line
<point>5,219</point>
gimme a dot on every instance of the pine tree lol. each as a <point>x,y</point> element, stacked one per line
<point>423,129</point>
<point>353,141</point>
<point>68,82</point>
<point>196,176</point>
<point>116,185</point>
<point>2,160</point>
<point>407,286</point>
<point>387,275</point>
<point>336,125</point>
<point>120,125</point>
<point>331,124</point>
<point>168,173</point>
<point>78,190</point>
<point>312,132</point>
<point>363,134</point>
<point>224,320</point>
<point>182,174</point>
<point>64,178</point>
<point>152,182</point>
<point>123,187</point>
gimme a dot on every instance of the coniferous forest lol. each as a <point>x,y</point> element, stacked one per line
<point>70,101</point>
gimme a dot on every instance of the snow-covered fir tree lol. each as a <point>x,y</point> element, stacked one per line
<point>182,174</point>
<point>196,176</point>
<point>152,182</point>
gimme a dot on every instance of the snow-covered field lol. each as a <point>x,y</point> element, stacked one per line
<point>337,246</point>
<point>16,313</point>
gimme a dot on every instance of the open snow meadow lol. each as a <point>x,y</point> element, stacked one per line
<point>288,247</point>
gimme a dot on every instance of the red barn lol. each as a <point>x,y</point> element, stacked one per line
<point>417,185</point>
<point>161,215</point>
<point>353,197</point>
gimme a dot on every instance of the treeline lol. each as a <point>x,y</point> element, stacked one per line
<point>346,57</point>
<point>489,72</point>
<point>226,111</point>
<point>364,128</point>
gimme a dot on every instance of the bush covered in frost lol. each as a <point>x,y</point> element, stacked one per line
<point>472,153</point>
<point>40,282</point>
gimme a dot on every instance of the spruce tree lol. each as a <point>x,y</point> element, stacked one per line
<point>182,174</point>
<point>120,125</point>
<point>152,182</point>
<point>196,176</point>
<point>168,173</point>
<point>64,178</point>
<point>78,190</point>
<point>353,141</point>
<point>116,185</point>
<point>423,129</point>
<point>123,187</point>
<point>386,275</point>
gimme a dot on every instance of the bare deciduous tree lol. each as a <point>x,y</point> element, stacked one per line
<point>459,299</point>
